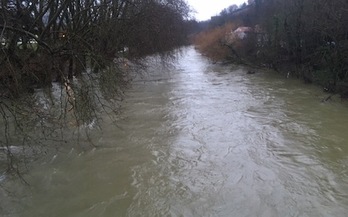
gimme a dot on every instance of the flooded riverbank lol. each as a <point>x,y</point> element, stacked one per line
<point>198,139</point>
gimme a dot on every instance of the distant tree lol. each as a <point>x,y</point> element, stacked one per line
<point>232,8</point>
<point>212,43</point>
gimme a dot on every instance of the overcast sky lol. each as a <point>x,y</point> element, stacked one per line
<point>207,8</point>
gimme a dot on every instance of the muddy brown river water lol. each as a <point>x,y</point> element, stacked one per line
<point>199,139</point>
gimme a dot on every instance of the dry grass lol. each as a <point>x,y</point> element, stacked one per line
<point>212,42</point>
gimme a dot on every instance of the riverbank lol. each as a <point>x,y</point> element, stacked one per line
<point>308,75</point>
<point>292,38</point>
<point>190,138</point>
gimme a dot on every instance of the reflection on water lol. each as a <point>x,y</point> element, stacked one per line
<point>202,140</point>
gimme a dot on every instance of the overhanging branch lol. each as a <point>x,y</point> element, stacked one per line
<point>40,42</point>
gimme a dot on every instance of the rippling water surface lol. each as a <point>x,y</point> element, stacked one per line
<point>203,140</point>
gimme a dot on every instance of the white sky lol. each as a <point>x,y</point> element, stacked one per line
<point>207,8</point>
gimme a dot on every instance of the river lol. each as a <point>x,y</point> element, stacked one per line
<point>201,139</point>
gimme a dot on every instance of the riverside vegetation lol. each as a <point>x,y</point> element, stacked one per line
<point>307,39</point>
<point>63,62</point>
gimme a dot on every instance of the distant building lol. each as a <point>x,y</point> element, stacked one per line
<point>243,31</point>
<point>246,32</point>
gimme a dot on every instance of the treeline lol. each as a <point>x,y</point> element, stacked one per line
<point>307,38</point>
<point>53,40</point>
<point>64,62</point>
